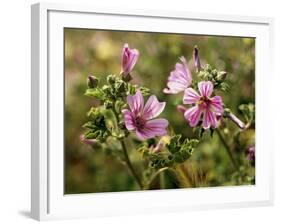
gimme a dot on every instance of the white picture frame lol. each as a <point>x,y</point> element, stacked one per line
<point>48,200</point>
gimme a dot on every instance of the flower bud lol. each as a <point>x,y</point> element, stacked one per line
<point>196,59</point>
<point>108,104</point>
<point>111,79</point>
<point>129,59</point>
<point>92,81</point>
<point>161,144</point>
<point>86,141</point>
<point>251,154</point>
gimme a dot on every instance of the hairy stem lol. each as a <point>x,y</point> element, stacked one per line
<point>126,156</point>
<point>129,164</point>
<point>226,146</point>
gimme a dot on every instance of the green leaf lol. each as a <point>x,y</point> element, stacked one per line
<point>96,92</point>
<point>173,146</point>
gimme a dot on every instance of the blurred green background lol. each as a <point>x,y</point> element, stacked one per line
<point>99,53</point>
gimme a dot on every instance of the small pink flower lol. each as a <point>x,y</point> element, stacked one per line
<point>129,59</point>
<point>140,117</point>
<point>179,79</point>
<point>210,107</point>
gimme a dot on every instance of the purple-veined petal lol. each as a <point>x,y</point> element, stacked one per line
<point>209,119</point>
<point>152,108</point>
<point>179,79</point>
<point>136,102</point>
<point>156,127</point>
<point>205,88</point>
<point>190,96</point>
<point>193,115</point>
<point>185,70</point>
<point>133,57</point>
<point>125,56</point>
<point>216,104</point>
<point>129,119</point>
<point>179,75</point>
<point>174,87</point>
<point>144,134</point>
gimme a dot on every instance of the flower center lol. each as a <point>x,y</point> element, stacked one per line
<point>139,122</point>
<point>204,102</point>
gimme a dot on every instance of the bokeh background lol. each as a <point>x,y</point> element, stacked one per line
<point>99,53</point>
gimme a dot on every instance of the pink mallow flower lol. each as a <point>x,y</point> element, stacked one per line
<point>140,117</point>
<point>129,59</point>
<point>203,103</point>
<point>179,79</point>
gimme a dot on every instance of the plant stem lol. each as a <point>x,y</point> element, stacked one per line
<point>127,159</point>
<point>226,146</point>
<point>155,175</point>
<point>129,164</point>
<point>162,180</point>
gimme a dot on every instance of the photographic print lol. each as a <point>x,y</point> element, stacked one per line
<point>151,111</point>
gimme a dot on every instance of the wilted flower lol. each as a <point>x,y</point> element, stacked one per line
<point>129,59</point>
<point>179,79</point>
<point>210,107</point>
<point>86,141</point>
<point>196,59</point>
<point>140,117</point>
<point>160,145</point>
<point>251,154</point>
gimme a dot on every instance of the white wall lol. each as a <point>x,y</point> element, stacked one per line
<point>15,110</point>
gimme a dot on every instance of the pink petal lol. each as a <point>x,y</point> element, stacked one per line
<point>135,102</point>
<point>129,119</point>
<point>205,88</point>
<point>133,57</point>
<point>129,59</point>
<point>216,104</point>
<point>170,91</point>
<point>184,69</point>
<point>125,56</point>
<point>190,96</point>
<point>174,87</point>
<point>193,115</point>
<point>156,127</point>
<point>181,109</point>
<point>179,79</point>
<point>152,108</point>
<point>209,119</point>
